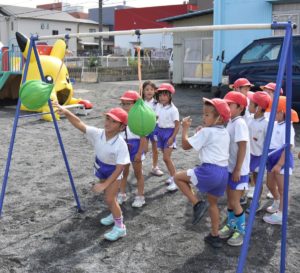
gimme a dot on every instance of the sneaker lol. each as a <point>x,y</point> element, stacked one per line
<point>270,195</point>
<point>121,198</point>
<point>108,220</point>
<point>199,209</point>
<point>138,202</point>
<point>250,192</point>
<point>274,207</point>
<point>236,239</point>
<point>169,181</point>
<point>243,200</point>
<point>273,219</point>
<point>259,208</point>
<point>172,186</point>
<point>225,232</point>
<point>214,241</point>
<point>156,171</point>
<point>115,234</point>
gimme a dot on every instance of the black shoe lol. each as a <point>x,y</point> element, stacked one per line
<point>214,241</point>
<point>199,210</point>
<point>243,200</point>
<point>258,209</point>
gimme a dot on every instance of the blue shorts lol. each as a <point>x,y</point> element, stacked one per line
<point>162,136</point>
<point>274,156</point>
<point>103,170</point>
<point>152,135</point>
<point>254,163</point>
<point>133,147</point>
<point>209,178</point>
<point>241,185</point>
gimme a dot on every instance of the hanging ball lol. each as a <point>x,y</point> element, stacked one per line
<point>35,93</point>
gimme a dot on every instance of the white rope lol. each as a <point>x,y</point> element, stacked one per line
<point>159,30</point>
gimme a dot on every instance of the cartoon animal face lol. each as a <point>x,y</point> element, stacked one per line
<point>55,71</point>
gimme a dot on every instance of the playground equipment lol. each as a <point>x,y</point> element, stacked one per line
<point>55,72</point>
<point>285,67</point>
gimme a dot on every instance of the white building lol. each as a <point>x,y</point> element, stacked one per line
<point>43,22</point>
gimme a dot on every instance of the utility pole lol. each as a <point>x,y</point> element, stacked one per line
<point>100,26</point>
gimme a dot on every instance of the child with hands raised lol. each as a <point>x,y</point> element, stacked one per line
<point>212,143</point>
<point>111,156</point>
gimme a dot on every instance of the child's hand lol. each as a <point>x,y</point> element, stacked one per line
<point>198,129</point>
<point>99,187</point>
<point>186,122</point>
<point>138,157</point>
<point>276,169</point>
<point>170,141</point>
<point>59,109</point>
<point>236,175</point>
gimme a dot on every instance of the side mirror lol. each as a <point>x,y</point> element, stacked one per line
<point>223,56</point>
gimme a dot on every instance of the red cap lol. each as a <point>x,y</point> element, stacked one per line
<point>221,106</point>
<point>131,95</point>
<point>271,86</point>
<point>166,87</point>
<point>236,97</point>
<point>281,107</point>
<point>118,114</point>
<point>240,82</point>
<point>261,98</point>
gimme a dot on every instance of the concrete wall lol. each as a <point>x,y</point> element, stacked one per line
<point>237,12</point>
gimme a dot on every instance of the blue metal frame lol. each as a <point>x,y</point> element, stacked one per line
<point>285,66</point>
<point>32,46</point>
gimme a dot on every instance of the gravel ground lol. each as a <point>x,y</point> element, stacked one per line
<point>40,230</point>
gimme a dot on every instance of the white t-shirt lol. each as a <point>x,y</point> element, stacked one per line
<point>278,135</point>
<point>212,143</point>
<point>238,131</point>
<point>167,115</point>
<point>257,132</point>
<point>130,135</point>
<point>113,151</point>
<point>151,103</point>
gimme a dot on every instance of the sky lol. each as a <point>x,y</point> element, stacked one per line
<point>93,3</point>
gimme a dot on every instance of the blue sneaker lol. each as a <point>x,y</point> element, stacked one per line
<point>115,234</point>
<point>108,220</point>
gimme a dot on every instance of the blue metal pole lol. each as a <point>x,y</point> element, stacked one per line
<point>79,209</point>
<point>289,93</point>
<point>13,135</point>
<point>259,182</point>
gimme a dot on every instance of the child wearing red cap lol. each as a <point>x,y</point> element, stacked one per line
<point>111,157</point>
<point>212,175</point>
<point>276,162</point>
<point>238,168</point>
<point>243,86</point>
<point>136,146</point>
<point>148,95</point>
<point>167,128</point>
<point>258,124</point>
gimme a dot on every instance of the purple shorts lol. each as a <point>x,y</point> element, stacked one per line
<point>151,136</point>
<point>254,162</point>
<point>209,178</point>
<point>273,157</point>
<point>103,170</point>
<point>162,137</point>
<point>240,185</point>
<point>133,147</point>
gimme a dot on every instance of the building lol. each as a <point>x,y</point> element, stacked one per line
<point>229,43</point>
<point>44,22</point>
<point>147,18</point>
<point>192,51</point>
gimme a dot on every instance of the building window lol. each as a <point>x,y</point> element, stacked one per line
<point>92,30</point>
<point>68,29</point>
<point>12,26</point>
<point>54,32</point>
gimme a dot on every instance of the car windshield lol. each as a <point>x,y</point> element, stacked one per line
<point>266,51</point>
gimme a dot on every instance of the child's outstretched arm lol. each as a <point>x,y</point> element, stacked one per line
<point>75,121</point>
<point>99,187</point>
<point>186,123</point>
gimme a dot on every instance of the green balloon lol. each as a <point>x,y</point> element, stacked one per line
<point>35,93</point>
<point>141,119</point>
